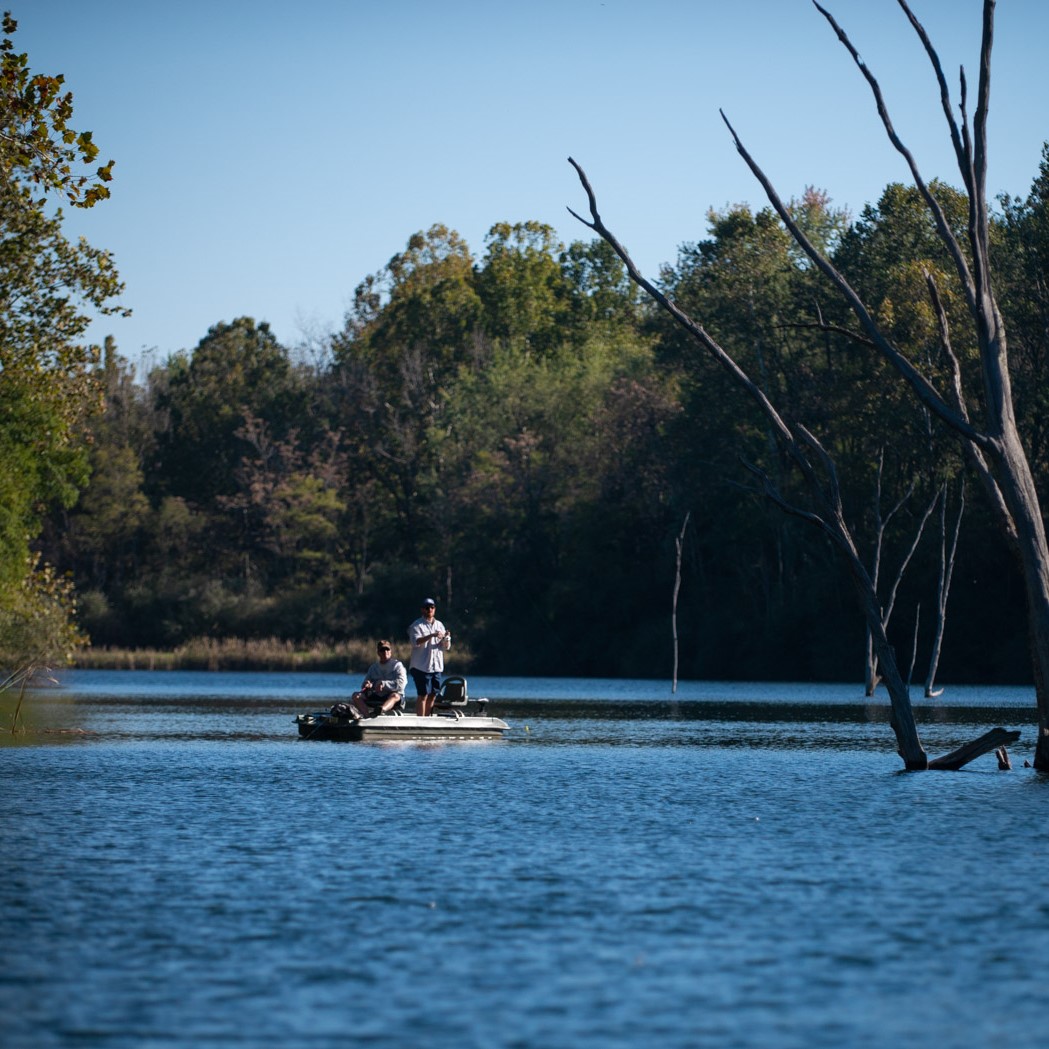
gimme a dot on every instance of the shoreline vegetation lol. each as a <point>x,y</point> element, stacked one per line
<point>266,654</point>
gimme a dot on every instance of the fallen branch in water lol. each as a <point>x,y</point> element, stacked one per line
<point>994,740</point>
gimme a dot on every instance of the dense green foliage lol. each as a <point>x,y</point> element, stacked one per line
<point>522,436</point>
<point>48,386</point>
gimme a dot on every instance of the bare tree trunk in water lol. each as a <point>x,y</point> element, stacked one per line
<point>872,677</point>
<point>821,478</point>
<point>914,643</point>
<point>678,543</point>
<point>996,452</point>
<point>947,555</point>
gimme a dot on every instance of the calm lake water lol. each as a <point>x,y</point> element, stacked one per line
<point>738,865</point>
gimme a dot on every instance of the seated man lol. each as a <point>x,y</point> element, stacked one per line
<point>383,686</point>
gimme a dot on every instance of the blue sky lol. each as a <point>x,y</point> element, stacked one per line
<point>270,155</point>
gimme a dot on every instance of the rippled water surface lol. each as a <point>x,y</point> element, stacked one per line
<point>735,865</point>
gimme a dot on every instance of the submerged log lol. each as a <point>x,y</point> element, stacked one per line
<point>993,740</point>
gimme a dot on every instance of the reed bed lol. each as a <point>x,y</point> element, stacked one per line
<point>270,654</point>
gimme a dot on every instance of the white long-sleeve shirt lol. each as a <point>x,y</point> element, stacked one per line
<point>428,656</point>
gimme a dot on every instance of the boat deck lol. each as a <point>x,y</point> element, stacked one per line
<point>321,725</point>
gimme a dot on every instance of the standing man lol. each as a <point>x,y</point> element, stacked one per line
<point>429,641</point>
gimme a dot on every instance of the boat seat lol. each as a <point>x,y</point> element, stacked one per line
<point>453,698</point>
<point>452,694</point>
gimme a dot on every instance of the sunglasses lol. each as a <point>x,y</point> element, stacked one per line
<point>384,648</point>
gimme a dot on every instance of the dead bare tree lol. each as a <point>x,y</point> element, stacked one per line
<point>914,642</point>
<point>947,556</point>
<point>995,449</point>
<point>881,523</point>
<point>821,479</point>
<point>679,543</point>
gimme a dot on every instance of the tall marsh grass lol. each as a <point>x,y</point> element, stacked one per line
<point>239,654</point>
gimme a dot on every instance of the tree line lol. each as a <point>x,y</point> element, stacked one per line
<point>522,434</point>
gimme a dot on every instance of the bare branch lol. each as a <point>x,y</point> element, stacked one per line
<point>832,329</point>
<point>813,442</point>
<point>782,430</point>
<point>961,149</point>
<point>679,543</point>
<point>901,502</point>
<point>890,604</point>
<point>692,327</point>
<point>926,392</point>
<point>992,740</point>
<point>978,203</point>
<point>771,492</point>
<point>945,345</point>
<point>947,558</point>
<point>983,97</point>
<point>968,175</point>
<point>973,454</point>
<point>946,233</point>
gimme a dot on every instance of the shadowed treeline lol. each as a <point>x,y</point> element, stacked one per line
<point>522,437</point>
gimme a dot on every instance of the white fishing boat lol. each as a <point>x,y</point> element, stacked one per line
<point>455,717</point>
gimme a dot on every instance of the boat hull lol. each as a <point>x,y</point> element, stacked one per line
<point>322,725</point>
